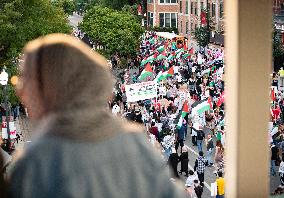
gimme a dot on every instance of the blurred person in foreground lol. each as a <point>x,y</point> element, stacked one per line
<point>81,150</point>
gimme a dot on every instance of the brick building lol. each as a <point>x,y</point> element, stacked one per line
<point>184,14</point>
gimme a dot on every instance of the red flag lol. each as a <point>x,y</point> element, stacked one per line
<point>191,51</point>
<point>171,71</point>
<point>185,46</point>
<point>203,18</point>
<point>221,100</point>
<point>210,103</point>
<point>273,95</point>
<point>156,55</point>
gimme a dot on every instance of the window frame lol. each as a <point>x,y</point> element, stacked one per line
<point>171,18</point>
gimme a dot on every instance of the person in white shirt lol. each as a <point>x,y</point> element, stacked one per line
<point>281,173</point>
<point>189,184</point>
<point>115,109</point>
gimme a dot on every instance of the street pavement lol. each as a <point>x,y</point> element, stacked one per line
<point>75,19</point>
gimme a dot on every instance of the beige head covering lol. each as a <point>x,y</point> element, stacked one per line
<point>72,84</point>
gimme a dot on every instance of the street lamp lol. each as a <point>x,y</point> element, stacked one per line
<point>4,82</point>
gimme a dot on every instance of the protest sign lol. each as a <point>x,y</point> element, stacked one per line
<point>12,128</point>
<point>141,91</point>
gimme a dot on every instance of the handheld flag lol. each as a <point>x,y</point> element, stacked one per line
<point>146,72</point>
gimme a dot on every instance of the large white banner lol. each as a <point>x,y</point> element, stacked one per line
<point>141,91</point>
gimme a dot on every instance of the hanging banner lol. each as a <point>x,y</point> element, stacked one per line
<point>141,91</point>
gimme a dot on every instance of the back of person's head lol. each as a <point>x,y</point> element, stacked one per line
<point>220,174</point>
<point>200,153</point>
<point>61,74</point>
<point>191,172</point>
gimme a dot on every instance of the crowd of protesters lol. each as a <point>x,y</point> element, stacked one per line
<point>197,76</point>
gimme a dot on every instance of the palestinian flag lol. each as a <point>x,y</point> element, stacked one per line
<point>152,40</point>
<point>185,56</point>
<point>161,49</point>
<point>165,75</point>
<point>184,112</point>
<point>146,72</point>
<point>178,52</point>
<point>272,94</point>
<point>143,62</point>
<point>162,56</point>
<point>150,59</point>
<point>221,100</point>
<point>202,106</point>
<point>172,56</point>
<point>185,46</point>
<point>191,51</point>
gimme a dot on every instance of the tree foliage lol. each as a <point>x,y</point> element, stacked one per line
<point>25,20</point>
<point>117,31</point>
<point>201,35</point>
<point>67,5</point>
<point>114,4</point>
<point>277,44</point>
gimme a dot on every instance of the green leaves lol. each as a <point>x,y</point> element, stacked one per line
<point>22,21</point>
<point>117,31</point>
<point>201,34</point>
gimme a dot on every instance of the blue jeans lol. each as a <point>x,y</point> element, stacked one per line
<point>209,156</point>
<point>220,196</point>
<point>199,145</point>
<point>273,168</point>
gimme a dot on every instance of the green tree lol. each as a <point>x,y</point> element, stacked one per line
<point>201,35</point>
<point>22,21</point>
<point>117,31</point>
<point>277,44</point>
<point>67,5</point>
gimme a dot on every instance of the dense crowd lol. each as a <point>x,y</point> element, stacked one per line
<point>189,102</point>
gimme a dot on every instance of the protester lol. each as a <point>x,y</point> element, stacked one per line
<point>281,173</point>
<point>184,161</point>
<point>209,149</point>
<point>219,156</point>
<point>173,163</point>
<point>198,188</point>
<point>220,181</point>
<point>200,165</point>
<point>73,155</point>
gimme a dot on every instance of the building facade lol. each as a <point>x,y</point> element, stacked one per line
<point>185,15</point>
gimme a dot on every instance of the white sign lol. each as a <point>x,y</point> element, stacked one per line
<point>13,131</point>
<point>141,91</point>
<point>281,83</point>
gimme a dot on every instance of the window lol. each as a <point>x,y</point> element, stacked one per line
<point>195,26</point>
<point>180,6</point>
<point>150,17</point>
<point>150,1</point>
<point>195,8</point>
<point>168,19</point>
<point>186,27</point>
<point>162,19</point>
<point>174,20</point>
<point>191,8</point>
<point>168,1</point>
<point>202,5</point>
<point>213,10</point>
<point>186,7</point>
<point>221,10</point>
<point>191,26</point>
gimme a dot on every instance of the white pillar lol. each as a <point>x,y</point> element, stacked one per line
<point>199,12</point>
<point>217,8</point>
<point>248,61</point>
<point>154,14</point>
